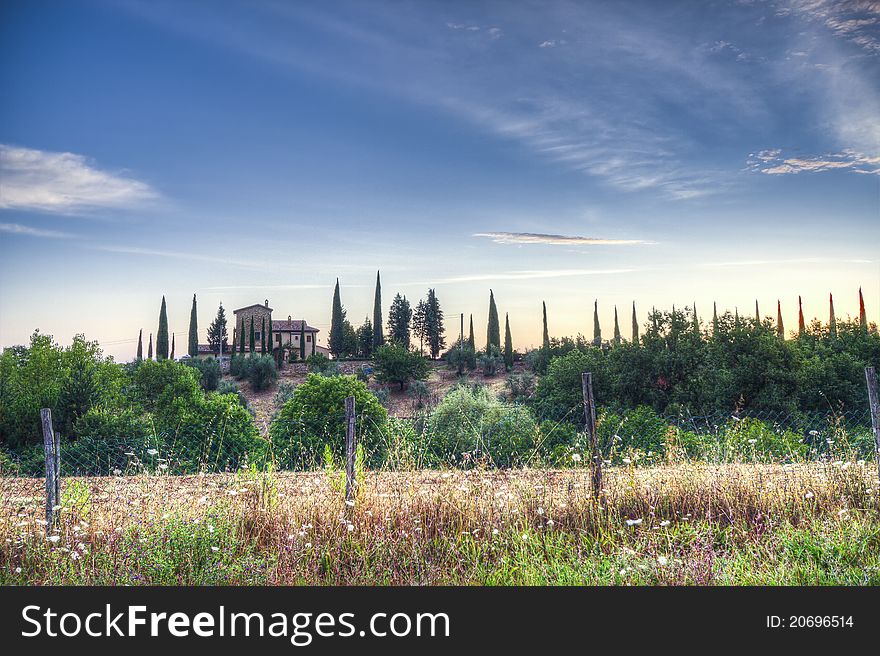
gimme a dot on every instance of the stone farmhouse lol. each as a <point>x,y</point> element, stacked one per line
<point>285,332</point>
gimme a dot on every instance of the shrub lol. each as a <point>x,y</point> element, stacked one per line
<point>315,416</point>
<point>238,366</point>
<point>231,387</point>
<point>520,387</point>
<point>559,395</point>
<point>461,358</point>
<point>262,372</point>
<point>318,363</point>
<point>283,395</point>
<point>209,369</point>
<point>395,363</point>
<point>404,445</point>
<point>102,423</point>
<point>469,424</point>
<point>491,361</point>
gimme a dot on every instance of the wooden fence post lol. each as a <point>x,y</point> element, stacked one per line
<point>350,450</point>
<point>874,405</point>
<point>50,453</point>
<point>590,415</point>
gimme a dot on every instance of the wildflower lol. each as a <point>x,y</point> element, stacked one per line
<point>494,531</point>
<point>842,512</point>
<point>308,545</point>
<point>814,433</point>
<point>74,555</point>
<point>753,441</point>
<point>627,461</point>
<point>349,502</point>
<point>56,507</point>
<point>550,522</point>
<point>210,529</point>
<point>53,538</point>
<point>163,466</point>
<point>18,570</point>
<point>350,527</point>
<point>634,522</point>
<point>540,511</point>
<point>665,522</point>
<point>623,571</point>
<point>576,457</point>
<point>662,561</point>
<point>525,536</point>
<point>152,452</point>
<point>117,471</point>
<point>215,548</point>
<point>809,495</point>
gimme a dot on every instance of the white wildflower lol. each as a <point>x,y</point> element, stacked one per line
<point>634,522</point>
<point>53,538</point>
<point>540,511</point>
<point>662,561</point>
<point>152,452</point>
<point>576,457</point>
<point>215,548</point>
<point>809,495</point>
<point>665,522</point>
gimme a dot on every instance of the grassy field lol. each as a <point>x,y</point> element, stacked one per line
<point>686,524</point>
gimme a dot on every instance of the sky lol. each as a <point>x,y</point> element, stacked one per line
<point>661,154</point>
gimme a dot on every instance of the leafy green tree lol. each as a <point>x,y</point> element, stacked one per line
<point>434,327</point>
<point>508,344</point>
<point>395,363</point>
<point>193,349</point>
<point>365,339</point>
<point>252,341</point>
<point>378,337</point>
<point>140,349</point>
<point>493,329</point>
<point>399,321</point>
<point>351,340</point>
<point>162,335</point>
<point>217,335</point>
<point>336,341</point>
<point>418,324</point>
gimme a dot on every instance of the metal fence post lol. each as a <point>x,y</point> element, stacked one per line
<point>590,415</point>
<point>874,405</point>
<point>51,456</point>
<point>350,450</point>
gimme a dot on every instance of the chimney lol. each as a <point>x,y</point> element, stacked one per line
<point>267,302</point>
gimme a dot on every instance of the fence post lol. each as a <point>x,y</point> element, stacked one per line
<point>874,405</point>
<point>49,451</point>
<point>590,415</point>
<point>350,482</point>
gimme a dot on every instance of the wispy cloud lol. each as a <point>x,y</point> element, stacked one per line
<point>64,183</point>
<point>559,240</point>
<point>772,162</point>
<point>854,20</point>
<point>777,262</point>
<point>520,275</point>
<point>18,229</point>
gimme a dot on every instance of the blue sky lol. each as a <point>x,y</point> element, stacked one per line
<point>662,153</point>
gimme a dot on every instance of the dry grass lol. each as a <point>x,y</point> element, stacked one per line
<point>687,523</point>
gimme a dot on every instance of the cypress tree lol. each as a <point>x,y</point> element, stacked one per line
<point>302,339</point>
<point>832,320</point>
<point>757,314</point>
<point>471,341</point>
<point>378,336</point>
<point>193,330</point>
<point>150,351</point>
<point>336,341</point>
<point>863,319</point>
<point>162,335</point>
<point>696,323</point>
<point>493,329</point>
<point>616,328</point>
<point>269,336</point>
<point>263,335</point>
<point>241,337</point>
<point>434,324</point>
<point>714,318</point>
<point>252,342</point>
<point>172,346</point>
<point>140,351</point>
<point>597,329</point>
<point>654,318</point>
<point>736,317</point>
<point>780,329</point>
<point>508,344</point>
<point>802,328</point>
<point>399,320</point>
<point>635,326</point>
<point>545,342</point>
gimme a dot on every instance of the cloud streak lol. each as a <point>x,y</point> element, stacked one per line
<point>556,240</point>
<point>18,229</point>
<point>63,183</point>
<point>772,162</point>
<point>521,275</point>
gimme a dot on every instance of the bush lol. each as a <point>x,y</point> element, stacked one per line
<point>238,366</point>
<point>209,369</point>
<point>520,387</point>
<point>318,363</point>
<point>262,372</point>
<point>101,423</point>
<point>395,363</point>
<point>315,416</point>
<point>559,395</point>
<point>461,358</point>
<point>470,425</point>
<point>231,387</point>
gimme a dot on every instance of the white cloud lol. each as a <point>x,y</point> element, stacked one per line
<point>854,20</point>
<point>771,162</point>
<point>18,229</point>
<point>64,183</point>
<point>521,275</point>
<point>558,240</point>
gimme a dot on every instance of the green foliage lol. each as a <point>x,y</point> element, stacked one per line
<point>378,337</point>
<point>490,362</point>
<point>395,363</point>
<point>261,372</point>
<point>365,339</point>
<point>193,345</point>
<point>162,334</point>
<point>399,320</point>
<point>461,358</point>
<point>493,329</point>
<point>209,370</point>
<point>217,335</point>
<point>469,426</point>
<point>231,387</point>
<point>238,366</point>
<point>320,364</point>
<point>508,344</point>
<point>315,416</point>
<point>521,386</point>
<point>337,338</point>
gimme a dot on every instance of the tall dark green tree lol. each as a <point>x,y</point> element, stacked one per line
<point>217,335</point>
<point>471,341</point>
<point>434,328</point>
<point>365,339</point>
<point>508,344</point>
<point>545,342</point>
<point>252,343</point>
<point>336,340</point>
<point>269,336</point>
<point>172,346</point>
<point>597,329</point>
<point>162,335</point>
<point>241,331</point>
<point>140,351</point>
<point>150,349</point>
<point>757,314</point>
<point>714,318</point>
<point>193,346</point>
<point>493,328</point>
<point>399,321</point>
<point>696,321</point>
<point>780,329</point>
<point>378,337</point>
<point>419,328</point>
<point>832,320</point>
<point>302,339</point>
<point>635,326</point>
<point>616,328</point>
<point>263,335</point>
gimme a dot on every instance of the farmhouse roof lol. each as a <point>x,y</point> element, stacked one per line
<point>248,307</point>
<point>294,325</point>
